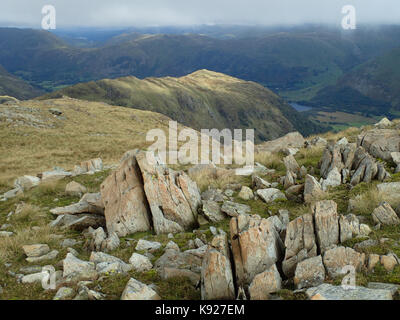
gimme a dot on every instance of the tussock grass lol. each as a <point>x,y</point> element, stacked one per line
<point>215,178</point>
<point>85,131</point>
<point>30,226</point>
<point>270,160</point>
<point>364,203</point>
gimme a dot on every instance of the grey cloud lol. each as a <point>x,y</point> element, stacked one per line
<point>121,13</point>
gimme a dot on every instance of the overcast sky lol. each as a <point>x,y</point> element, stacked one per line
<point>123,13</point>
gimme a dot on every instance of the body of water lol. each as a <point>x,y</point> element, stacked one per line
<point>300,107</point>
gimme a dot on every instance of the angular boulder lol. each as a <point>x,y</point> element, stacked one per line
<point>309,273</point>
<point>299,242</point>
<point>326,222</point>
<point>126,207</point>
<point>256,246</point>
<point>265,283</point>
<point>216,272</point>
<point>385,215</point>
<point>337,258</point>
<point>172,196</point>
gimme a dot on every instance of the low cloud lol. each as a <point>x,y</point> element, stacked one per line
<point>123,13</point>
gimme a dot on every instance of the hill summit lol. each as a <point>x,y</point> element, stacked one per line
<point>217,101</point>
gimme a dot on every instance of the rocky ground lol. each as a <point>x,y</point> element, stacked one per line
<point>314,213</point>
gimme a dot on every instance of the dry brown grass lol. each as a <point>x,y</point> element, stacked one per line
<point>215,178</point>
<point>89,130</point>
<point>268,159</point>
<point>364,203</point>
<point>30,226</point>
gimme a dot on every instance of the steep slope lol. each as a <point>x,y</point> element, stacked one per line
<point>373,87</point>
<point>201,100</point>
<point>13,86</point>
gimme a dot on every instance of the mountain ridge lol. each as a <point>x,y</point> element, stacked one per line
<point>219,101</point>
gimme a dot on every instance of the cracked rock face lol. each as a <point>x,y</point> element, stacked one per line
<point>326,224</point>
<point>126,208</point>
<point>299,242</point>
<point>265,283</point>
<point>385,215</point>
<point>337,258</point>
<point>172,196</point>
<point>380,143</point>
<point>216,272</point>
<point>309,273</point>
<point>256,246</point>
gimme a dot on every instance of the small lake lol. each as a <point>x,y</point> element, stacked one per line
<point>300,107</point>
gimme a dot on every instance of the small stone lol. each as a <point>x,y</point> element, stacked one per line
<point>309,273</point>
<point>234,209</point>
<point>34,277</point>
<point>30,269</point>
<point>50,256</point>
<point>36,250</point>
<point>144,245</point>
<point>69,243</point>
<point>172,246</point>
<point>388,262</point>
<point>246,193</point>
<point>385,215</point>
<point>212,211</point>
<point>213,230</point>
<point>72,264</point>
<point>271,195</point>
<point>265,283</point>
<point>75,189</point>
<point>64,293</point>
<point>6,234</point>
<point>140,263</point>
<point>373,260</point>
<point>198,243</point>
<point>135,290</point>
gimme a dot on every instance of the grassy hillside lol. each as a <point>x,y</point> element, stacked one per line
<point>13,86</point>
<point>33,140</point>
<point>372,88</point>
<point>201,100</point>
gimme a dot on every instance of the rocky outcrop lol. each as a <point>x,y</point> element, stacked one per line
<point>309,273</point>
<point>385,215</point>
<point>126,207</point>
<point>172,196</point>
<point>312,189</point>
<point>216,272</point>
<point>299,242</point>
<point>380,143</point>
<point>343,159</point>
<point>326,224</point>
<point>256,246</point>
<point>265,283</point>
<point>337,258</point>
<point>293,139</point>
